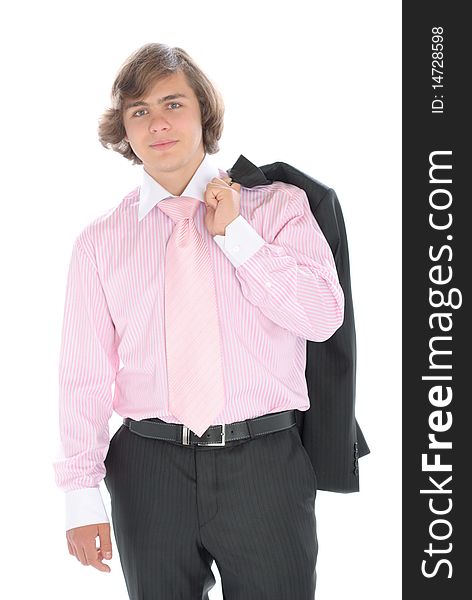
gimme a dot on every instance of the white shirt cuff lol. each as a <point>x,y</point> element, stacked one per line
<point>85,507</point>
<point>240,241</point>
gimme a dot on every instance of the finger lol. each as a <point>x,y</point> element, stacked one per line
<point>101,556</point>
<point>99,565</point>
<point>211,204</point>
<point>71,550</point>
<point>94,559</point>
<point>215,187</point>
<point>226,181</point>
<point>209,208</point>
<point>80,554</point>
<point>104,535</point>
<point>75,553</point>
<point>210,200</point>
<point>233,185</point>
<point>229,181</point>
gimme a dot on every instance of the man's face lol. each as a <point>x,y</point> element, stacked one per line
<point>156,118</point>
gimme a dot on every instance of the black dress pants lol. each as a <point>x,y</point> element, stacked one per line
<point>249,506</point>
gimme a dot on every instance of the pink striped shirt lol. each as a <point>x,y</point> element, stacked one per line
<point>276,286</point>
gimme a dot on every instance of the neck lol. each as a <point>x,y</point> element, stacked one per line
<point>176,181</point>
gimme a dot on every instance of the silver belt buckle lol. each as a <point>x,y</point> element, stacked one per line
<point>221,443</point>
<point>185,435</point>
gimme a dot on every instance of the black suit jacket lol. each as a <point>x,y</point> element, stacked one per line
<point>329,429</point>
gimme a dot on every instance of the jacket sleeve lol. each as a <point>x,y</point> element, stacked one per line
<point>88,363</point>
<point>330,432</point>
<point>292,279</point>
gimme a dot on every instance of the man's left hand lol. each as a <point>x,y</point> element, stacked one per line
<point>222,203</point>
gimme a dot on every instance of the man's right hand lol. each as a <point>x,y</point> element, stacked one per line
<point>82,545</point>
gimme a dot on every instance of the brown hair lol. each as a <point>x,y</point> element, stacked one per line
<point>137,74</point>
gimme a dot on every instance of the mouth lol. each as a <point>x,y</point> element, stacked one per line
<point>164,145</point>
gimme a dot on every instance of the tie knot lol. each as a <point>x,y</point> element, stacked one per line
<point>179,207</point>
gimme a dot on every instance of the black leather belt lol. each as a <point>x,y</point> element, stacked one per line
<point>215,435</point>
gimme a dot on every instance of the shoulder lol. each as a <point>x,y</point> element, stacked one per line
<point>273,197</point>
<point>104,228</point>
<point>276,200</point>
<point>273,191</point>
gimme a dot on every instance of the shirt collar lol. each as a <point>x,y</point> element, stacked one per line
<point>151,192</point>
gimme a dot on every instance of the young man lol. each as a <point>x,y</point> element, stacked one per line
<point>207,292</point>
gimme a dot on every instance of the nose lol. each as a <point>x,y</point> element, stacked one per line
<point>158,123</point>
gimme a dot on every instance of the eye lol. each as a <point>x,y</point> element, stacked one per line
<point>135,114</point>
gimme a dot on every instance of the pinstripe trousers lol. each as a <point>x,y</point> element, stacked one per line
<point>249,506</point>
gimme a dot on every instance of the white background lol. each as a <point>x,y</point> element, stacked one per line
<point>315,84</point>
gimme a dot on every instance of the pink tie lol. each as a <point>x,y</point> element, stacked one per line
<point>194,366</point>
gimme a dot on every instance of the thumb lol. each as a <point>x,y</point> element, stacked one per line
<point>105,540</point>
<point>234,185</point>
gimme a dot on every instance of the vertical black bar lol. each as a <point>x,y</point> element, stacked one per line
<point>437,268</point>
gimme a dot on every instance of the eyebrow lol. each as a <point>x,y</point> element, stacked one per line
<point>159,100</point>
